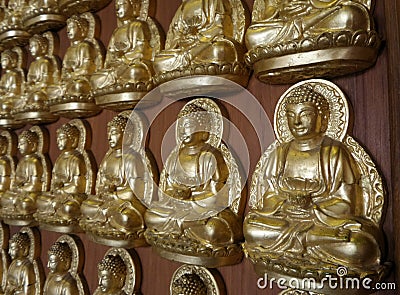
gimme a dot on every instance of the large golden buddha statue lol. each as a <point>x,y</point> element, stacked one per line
<point>72,97</point>
<point>72,181</point>
<point>119,273</point>
<point>11,85</point>
<point>65,263</point>
<point>197,217</point>
<point>43,71</point>
<point>292,40</point>
<point>114,216</point>
<point>25,274</point>
<point>12,30</point>
<point>32,178</point>
<point>8,151</point>
<point>205,37</point>
<point>128,69</point>
<point>312,206</point>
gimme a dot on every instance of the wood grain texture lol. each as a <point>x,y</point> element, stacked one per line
<point>374,97</point>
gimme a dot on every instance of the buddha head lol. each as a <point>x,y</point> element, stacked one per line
<point>67,137</point>
<point>189,283</point>
<point>194,125</point>
<point>115,131</point>
<point>77,28</point>
<point>3,145</point>
<point>28,142</point>
<point>38,45</point>
<point>125,9</point>
<point>59,258</point>
<point>112,273</point>
<point>9,59</point>
<point>19,245</point>
<point>307,112</point>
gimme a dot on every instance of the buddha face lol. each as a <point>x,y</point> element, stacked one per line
<point>64,142</point>
<point>25,147</point>
<point>74,32</point>
<point>125,8</point>
<point>190,134</point>
<point>115,137</point>
<point>304,120</point>
<point>6,61</point>
<point>108,283</point>
<point>15,251</point>
<point>35,48</point>
<point>55,265</point>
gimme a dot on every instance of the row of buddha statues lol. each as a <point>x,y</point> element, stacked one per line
<point>316,198</point>
<point>287,41</point>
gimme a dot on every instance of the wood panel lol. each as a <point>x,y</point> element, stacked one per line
<point>374,97</point>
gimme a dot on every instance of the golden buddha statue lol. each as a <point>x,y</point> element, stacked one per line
<point>73,178</point>
<point>42,16</point>
<point>292,40</point>
<point>8,150</point>
<point>205,37</point>
<point>11,85</point>
<point>72,97</point>
<point>197,217</point>
<point>193,279</point>
<point>25,274</point>
<point>119,273</point>
<point>12,31</point>
<point>114,216</point>
<point>32,178</point>
<point>128,70</point>
<point>43,71</point>
<point>65,264</point>
<point>311,204</point>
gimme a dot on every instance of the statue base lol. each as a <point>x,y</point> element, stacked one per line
<point>326,63</point>
<point>36,117</point>
<point>72,228</point>
<point>119,101</point>
<point>20,220</point>
<point>42,20</point>
<point>10,123</point>
<point>119,242</point>
<point>71,7</point>
<point>74,109</point>
<point>14,37</point>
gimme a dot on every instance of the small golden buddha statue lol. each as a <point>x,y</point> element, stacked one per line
<point>292,40</point>
<point>12,31</point>
<point>193,279</point>
<point>4,257</point>
<point>43,71</point>
<point>197,218</point>
<point>311,207</point>
<point>114,216</point>
<point>42,16</point>
<point>25,274</point>
<point>72,97</point>
<point>119,273</point>
<point>73,178</point>
<point>128,70</point>
<point>8,151</point>
<point>65,264</point>
<point>11,83</point>
<point>32,178</point>
<point>205,37</point>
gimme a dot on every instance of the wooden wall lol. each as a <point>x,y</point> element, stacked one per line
<point>373,94</point>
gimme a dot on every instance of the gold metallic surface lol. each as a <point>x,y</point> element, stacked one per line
<point>289,41</point>
<point>43,15</point>
<point>65,262</point>
<point>8,151</point>
<point>43,71</point>
<point>197,218</point>
<point>114,216</point>
<point>32,178</point>
<point>205,38</point>
<point>72,97</point>
<point>71,7</point>
<point>119,273</point>
<point>25,274</point>
<point>316,197</point>
<point>12,31</point>
<point>128,70</point>
<point>4,257</point>
<point>73,179</point>
<point>11,85</point>
<point>193,279</point>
